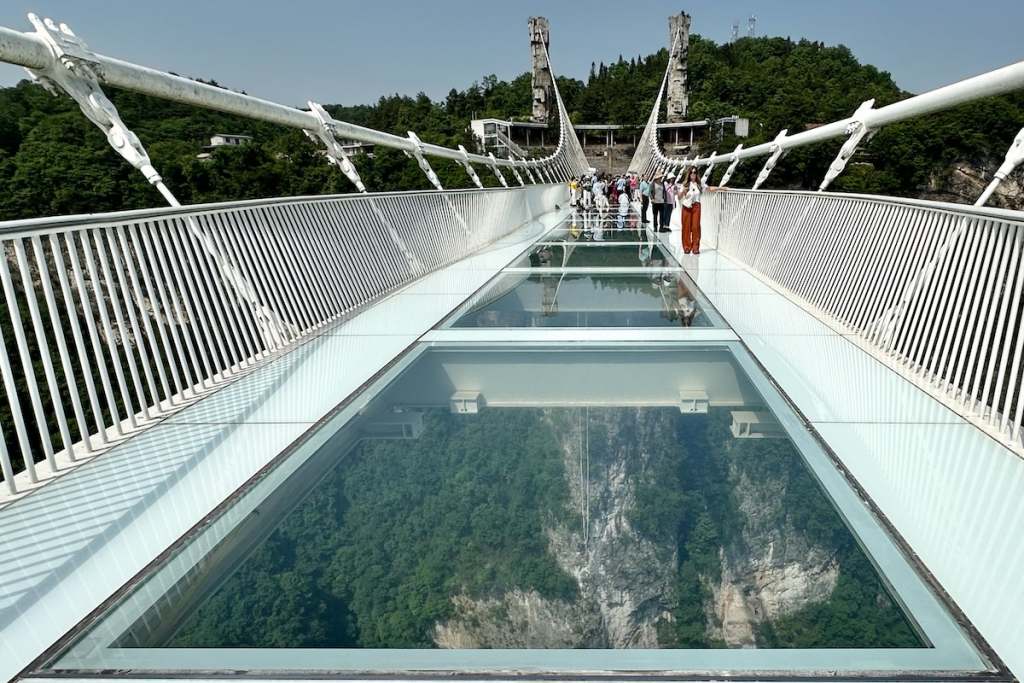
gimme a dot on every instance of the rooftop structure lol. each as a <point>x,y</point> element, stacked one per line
<point>481,434</point>
<point>226,139</point>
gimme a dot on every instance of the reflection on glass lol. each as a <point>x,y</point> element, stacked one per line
<point>593,227</point>
<point>570,255</point>
<point>662,298</point>
<point>524,513</point>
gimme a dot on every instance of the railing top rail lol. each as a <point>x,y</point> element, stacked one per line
<point>82,220</point>
<point>1007,215</point>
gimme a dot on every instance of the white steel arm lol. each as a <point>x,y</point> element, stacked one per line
<point>864,122</point>
<point>33,51</point>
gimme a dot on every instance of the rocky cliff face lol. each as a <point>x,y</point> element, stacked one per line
<point>771,570</point>
<point>625,581</point>
<point>963,182</point>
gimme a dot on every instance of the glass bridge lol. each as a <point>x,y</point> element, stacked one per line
<point>454,483</point>
<point>472,434</point>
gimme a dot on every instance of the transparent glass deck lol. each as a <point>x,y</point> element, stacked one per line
<point>596,255</point>
<point>534,509</point>
<point>658,297</point>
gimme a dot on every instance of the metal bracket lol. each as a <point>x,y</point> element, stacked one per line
<point>515,172</point>
<point>857,131</point>
<point>422,161</point>
<point>73,71</point>
<point>469,168</point>
<point>529,173</point>
<point>711,166</point>
<point>769,165</point>
<point>732,167</point>
<point>336,154</point>
<point>497,171</point>
<point>1014,158</point>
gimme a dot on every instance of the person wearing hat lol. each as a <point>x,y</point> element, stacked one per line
<point>658,199</point>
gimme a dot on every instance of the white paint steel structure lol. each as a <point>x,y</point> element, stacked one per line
<point>114,321</point>
<point>934,290</point>
<point>859,127</point>
<point>55,56</point>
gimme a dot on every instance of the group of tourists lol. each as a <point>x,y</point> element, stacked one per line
<point>660,193</point>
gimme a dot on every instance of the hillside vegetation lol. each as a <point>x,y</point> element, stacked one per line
<point>53,161</point>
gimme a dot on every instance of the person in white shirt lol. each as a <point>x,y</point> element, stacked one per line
<point>600,198</point>
<point>623,209</point>
<point>688,193</point>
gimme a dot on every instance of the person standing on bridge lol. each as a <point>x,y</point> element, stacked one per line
<point>670,203</point>
<point>658,200</point>
<point>623,209</point>
<point>645,199</point>
<point>599,198</point>
<point>689,197</point>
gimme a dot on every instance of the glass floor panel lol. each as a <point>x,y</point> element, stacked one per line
<point>595,255</point>
<point>653,508</point>
<point>659,298</point>
<point>595,232</point>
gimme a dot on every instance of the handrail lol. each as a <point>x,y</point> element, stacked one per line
<point>82,220</point>
<point>932,289</point>
<point>114,321</point>
<point>1010,215</point>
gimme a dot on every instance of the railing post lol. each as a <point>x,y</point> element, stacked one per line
<point>336,154</point>
<point>469,167</point>
<point>769,165</point>
<point>497,171</point>
<point>857,130</point>
<point>417,154</point>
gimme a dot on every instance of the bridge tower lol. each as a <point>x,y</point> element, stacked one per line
<point>679,46</point>
<point>542,84</point>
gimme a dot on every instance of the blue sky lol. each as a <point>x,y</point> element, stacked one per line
<point>349,52</point>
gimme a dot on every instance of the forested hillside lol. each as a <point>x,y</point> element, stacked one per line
<point>53,161</point>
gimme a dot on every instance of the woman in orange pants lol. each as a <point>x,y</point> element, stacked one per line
<point>689,199</point>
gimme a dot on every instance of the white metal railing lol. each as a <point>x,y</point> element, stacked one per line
<point>112,321</point>
<point>932,289</point>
